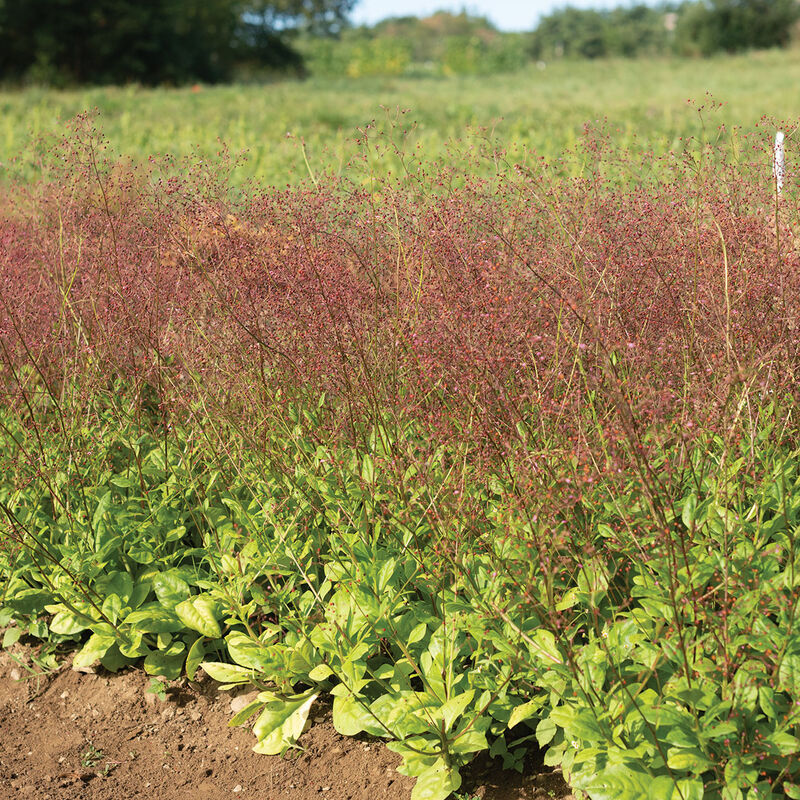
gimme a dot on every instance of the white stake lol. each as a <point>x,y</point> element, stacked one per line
<point>779,162</point>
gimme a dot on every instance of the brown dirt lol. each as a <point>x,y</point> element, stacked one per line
<point>71,736</point>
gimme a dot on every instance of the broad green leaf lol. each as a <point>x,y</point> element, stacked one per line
<point>112,605</point>
<point>789,674</point>
<point>170,588</point>
<point>29,601</point>
<point>118,583</point>
<point>418,760</point>
<point>226,673</point>
<point>103,504</point>
<point>689,511</point>
<point>141,552</point>
<point>542,643</point>
<point>436,783</point>
<point>94,649</point>
<point>792,790</point>
<point>139,594</point>
<point>417,633</point>
<point>350,717</point>
<point>523,712</point>
<point>579,723</point>
<point>545,731</point>
<point>114,660</point>
<point>195,657</point>
<point>688,761</point>
<point>368,469</point>
<point>470,741</point>
<point>11,636</point>
<point>454,707</point>
<point>568,600</point>
<point>168,663</point>
<point>619,782</point>
<point>281,722</point>
<point>131,644</point>
<point>784,743</point>
<point>152,618</point>
<point>248,653</point>
<point>320,672</point>
<point>67,623</point>
<point>199,614</point>
<point>662,787</point>
<point>246,713</point>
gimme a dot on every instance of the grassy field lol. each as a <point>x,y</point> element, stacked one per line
<point>645,104</point>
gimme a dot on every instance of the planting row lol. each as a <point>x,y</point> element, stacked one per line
<point>497,464</point>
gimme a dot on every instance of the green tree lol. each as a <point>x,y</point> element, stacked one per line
<point>571,32</point>
<point>733,25</point>
<point>114,41</point>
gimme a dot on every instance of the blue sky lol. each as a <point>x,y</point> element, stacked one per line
<point>508,15</point>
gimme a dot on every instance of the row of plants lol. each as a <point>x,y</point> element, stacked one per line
<point>498,465</point>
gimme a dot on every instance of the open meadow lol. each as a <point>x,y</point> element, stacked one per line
<point>482,446</point>
<point>544,110</point>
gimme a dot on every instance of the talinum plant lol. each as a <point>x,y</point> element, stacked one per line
<point>570,402</point>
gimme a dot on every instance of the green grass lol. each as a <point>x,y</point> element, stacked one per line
<point>645,103</point>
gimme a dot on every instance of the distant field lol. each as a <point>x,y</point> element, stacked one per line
<point>645,104</point>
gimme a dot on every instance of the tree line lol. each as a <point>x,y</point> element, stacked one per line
<point>157,41</point>
<point>689,28</point>
<point>177,41</point>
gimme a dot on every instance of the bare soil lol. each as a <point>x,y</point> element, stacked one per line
<point>71,736</point>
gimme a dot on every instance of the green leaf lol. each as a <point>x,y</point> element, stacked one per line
<point>783,743</point>
<point>118,583</point>
<point>67,623</point>
<point>543,644</point>
<point>792,790</point>
<point>281,722</point>
<point>246,713</point>
<point>417,633</point>
<point>789,674</point>
<point>688,761</point>
<point>662,787</point>
<point>320,673</point>
<point>525,711</point>
<point>29,601</point>
<point>92,651</point>
<point>545,731</point>
<point>368,469</point>
<point>141,552</point>
<point>226,673</point>
<point>152,618</point>
<point>689,510</point>
<point>249,653</point>
<point>199,614</point>
<point>170,588</point>
<point>619,782</point>
<point>577,723</point>
<point>350,717</point>
<point>418,760</point>
<point>437,782</point>
<point>11,636</point>
<point>454,707</point>
<point>195,657</point>
<point>114,659</point>
<point>103,504</point>
<point>168,663</point>
<point>470,741</point>
<point>111,607</point>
